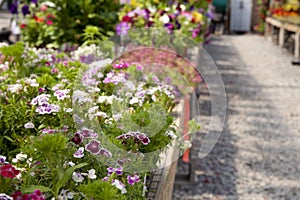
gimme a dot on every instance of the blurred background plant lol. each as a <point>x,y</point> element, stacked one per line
<point>53,23</point>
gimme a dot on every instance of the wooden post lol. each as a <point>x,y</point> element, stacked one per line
<point>297,45</point>
<point>281,36</point>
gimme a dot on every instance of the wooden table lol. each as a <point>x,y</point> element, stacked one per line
<point>283,27</point>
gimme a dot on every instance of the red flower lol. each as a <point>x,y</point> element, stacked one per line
<point>38,19</point>
<point>22,26</point>
<point>49,16</point>
<point>9,171</point>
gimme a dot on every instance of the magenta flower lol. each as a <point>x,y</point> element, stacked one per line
<point>131,180</point>
<point>121,65</point>
<point>122,28</point>
<point>93,147</point>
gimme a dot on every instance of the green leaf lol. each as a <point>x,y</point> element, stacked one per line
<point>32,188</point>
<point>67,175</point>
<point>9,139</point>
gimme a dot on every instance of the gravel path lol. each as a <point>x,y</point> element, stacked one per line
<point>258,154</point>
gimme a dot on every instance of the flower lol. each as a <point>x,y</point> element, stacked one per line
<point>133,100</point>
<point>105,152</point>
<point>62,94</point>
<point>13,8</point>
<point>49,22</point>
<point>5,197</point>
<point>2,159</point>
<point>25,10</point>
<point>9,171</point>
<point>79,153</point>
<point>92,174</point>
<point>22,26</point>
<point>122,28</point>
<point>77,177</point>
<point>131,180</point>
<point>118,171</point>
<point>93,147</point>
<point>118,184</point>
<point>19,157</point>
<point>77,139</point>
<point>14,88</point>
<point>29,125</point>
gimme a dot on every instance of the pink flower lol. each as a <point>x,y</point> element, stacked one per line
<point>49,22</point>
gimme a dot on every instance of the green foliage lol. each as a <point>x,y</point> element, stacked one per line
<point>68,21</point>
<point>49,146</point>
<point>100,190</point>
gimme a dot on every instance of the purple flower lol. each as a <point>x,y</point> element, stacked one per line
<point>77,119</point>
<point>195,33</point>
<point>77,139</point>
<point>61,94</point>
<point>2,159</point>
<point>13,8</point>
<point>110,170</point>
<point>79,153</point>
<point>210,15</point>
<point>93,147</point>
<point>143,138</point>
<point>105,178</point>
<point>42,90</point>
<point>34,1</point>
<point>131,180</point>
<point>119,171</point>
<point>122,28</point>
<point>169,27</point>
<point>25,10</point>
<point>105,152</point>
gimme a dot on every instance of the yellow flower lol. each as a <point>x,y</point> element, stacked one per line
<point>198,17</point>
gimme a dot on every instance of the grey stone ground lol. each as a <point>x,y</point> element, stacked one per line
<point>258,154</point>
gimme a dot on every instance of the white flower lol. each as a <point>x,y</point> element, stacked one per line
<point>92,174</point>
<point>68,110</point>
<point>70,195</point>
<point>48,3</point>
<point>71,163</point>
<point>5,196</point>
<point>77,177</point>
<point>165,18</point>
<point>14,88</point>
<point>134,100</point>
<point>101,114</point>
<point>117,116</point>
<point>29,125</point>
<point>118,184</point>
<point>79,153</point>
<point>171,134</point>
<point>93,109</point>
<point>19,157</point>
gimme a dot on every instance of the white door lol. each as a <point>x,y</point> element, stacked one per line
<point>240,15</point>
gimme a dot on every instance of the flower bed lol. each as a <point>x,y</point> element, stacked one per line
<point>75,130</point>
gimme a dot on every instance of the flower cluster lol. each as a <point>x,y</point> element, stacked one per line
<point>9,171</point>
<point>137,137</point>
<point>37,195</point>
<point>176,16</point>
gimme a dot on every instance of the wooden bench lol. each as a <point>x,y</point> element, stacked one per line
<point>283,27</point>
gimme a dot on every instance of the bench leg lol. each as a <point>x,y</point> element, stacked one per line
<point>281,37</point>
<point>297,45</point>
